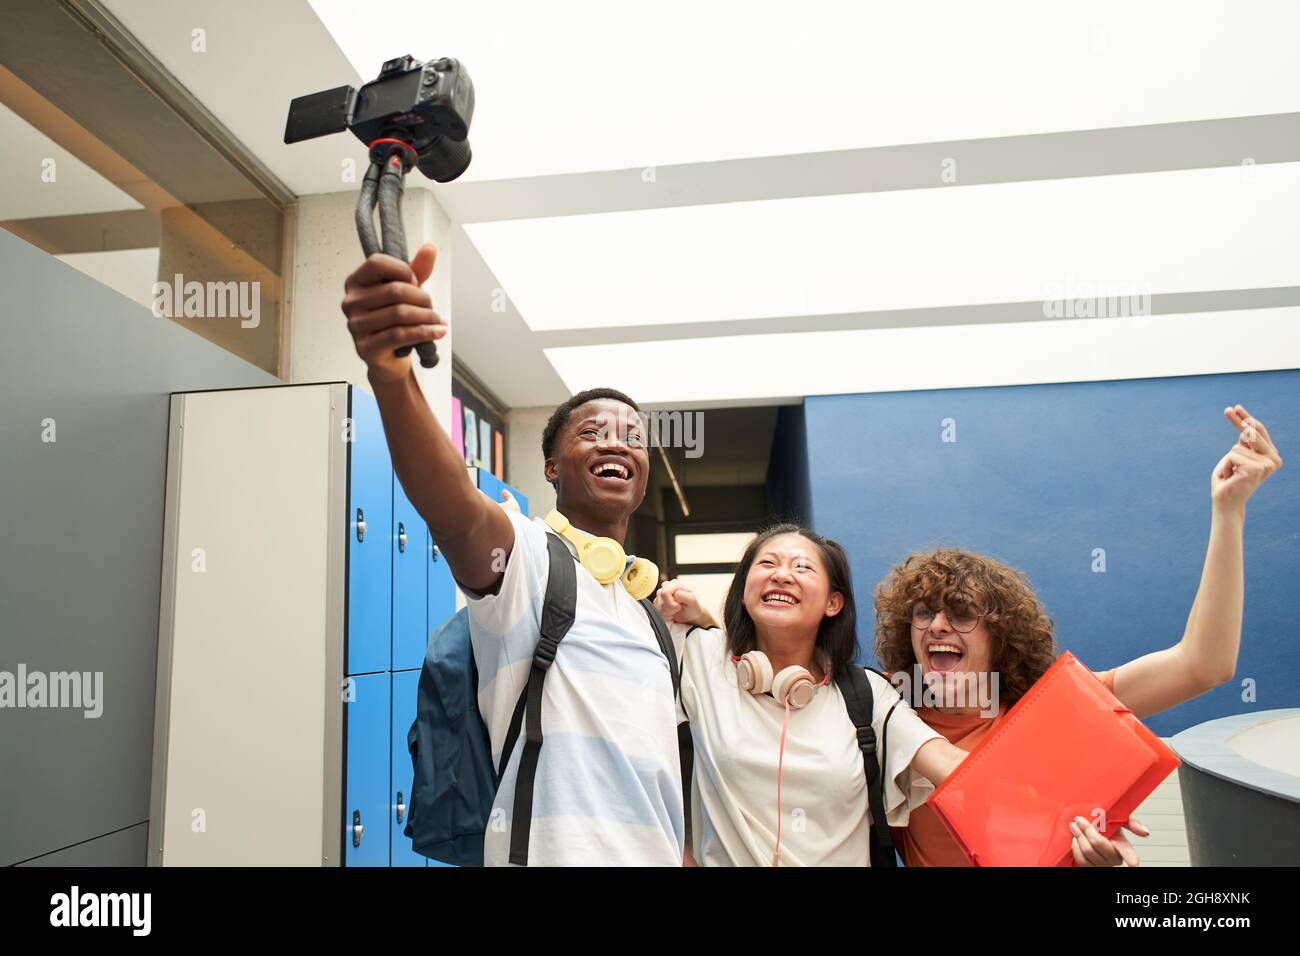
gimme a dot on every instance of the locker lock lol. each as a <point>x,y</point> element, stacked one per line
<point>361,525</point>
<point>357,828</point>
<point>401,807</point>
<point>401,537</point>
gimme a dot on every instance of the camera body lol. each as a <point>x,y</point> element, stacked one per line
<point>428,105</point>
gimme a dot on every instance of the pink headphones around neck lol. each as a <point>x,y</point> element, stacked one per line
<point>793,686</point>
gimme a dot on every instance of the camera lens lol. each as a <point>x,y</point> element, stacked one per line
<point>444,159</point>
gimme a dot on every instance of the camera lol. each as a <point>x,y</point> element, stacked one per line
<point>426,105</point>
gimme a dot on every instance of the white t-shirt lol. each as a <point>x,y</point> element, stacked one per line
<point>825,819</point>
<point>608,786</point>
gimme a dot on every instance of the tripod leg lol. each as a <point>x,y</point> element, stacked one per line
<point>391,185</point>
<point>365,216</point>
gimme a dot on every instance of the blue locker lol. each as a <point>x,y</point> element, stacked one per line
<point>366,817</point>
<point>491,485</point>
<point>370,523</point>
<point>396,587</point>
<point>405,687</point>
<point>410,538</point>
<point>442,605</point>
<point>442,588</point>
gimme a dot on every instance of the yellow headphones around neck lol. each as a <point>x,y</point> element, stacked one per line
<point>605,559</point>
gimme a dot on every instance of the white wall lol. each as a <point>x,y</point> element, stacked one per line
<point>525,457</point>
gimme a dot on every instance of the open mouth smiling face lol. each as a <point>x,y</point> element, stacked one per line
<point>603,457</point>
<point>787,584</point>
<point>615,469</point>
<point>950,638</point>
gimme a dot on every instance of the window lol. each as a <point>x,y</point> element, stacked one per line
<point>114,171</point>
<point>706,560</point>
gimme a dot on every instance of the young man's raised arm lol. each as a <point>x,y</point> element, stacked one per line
<point>386,309</point>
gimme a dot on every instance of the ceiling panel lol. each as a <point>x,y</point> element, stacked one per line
<point>583,85</point>
<point>1191,230</point>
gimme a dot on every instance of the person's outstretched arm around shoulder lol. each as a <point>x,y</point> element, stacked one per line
<point>386,308</point>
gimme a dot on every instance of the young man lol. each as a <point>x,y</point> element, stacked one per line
<point>608,783</point>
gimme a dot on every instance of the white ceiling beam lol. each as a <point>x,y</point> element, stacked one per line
<point>1200,144</point>
<point>751,368</point>
<point>1001,312</point>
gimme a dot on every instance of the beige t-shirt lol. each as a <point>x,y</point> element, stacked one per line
<point>825,820</point>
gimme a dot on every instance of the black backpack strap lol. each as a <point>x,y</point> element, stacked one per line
<point>884,763</point>
<point>685,745</point>
<point>686,754</point>
<point>558,611</point>
<point>665,643</point>
<point>855,687</point>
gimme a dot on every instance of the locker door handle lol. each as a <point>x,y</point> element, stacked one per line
<point>361,525</point>
<point>401,807</point>
<point>357,828</point>
<point>401,536</point>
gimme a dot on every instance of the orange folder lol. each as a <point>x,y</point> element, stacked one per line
<point>1065,749</point>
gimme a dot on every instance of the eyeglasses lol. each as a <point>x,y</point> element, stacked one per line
<point>962,617</point>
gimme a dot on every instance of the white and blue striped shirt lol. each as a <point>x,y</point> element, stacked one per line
<point>608,786</point>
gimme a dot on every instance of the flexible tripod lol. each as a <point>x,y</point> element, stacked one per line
<point>384,182</point>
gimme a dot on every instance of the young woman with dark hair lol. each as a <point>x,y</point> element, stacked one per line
<point>779,777</point>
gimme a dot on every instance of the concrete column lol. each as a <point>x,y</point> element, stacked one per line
<point>326,251</point>
<point>525,457</point>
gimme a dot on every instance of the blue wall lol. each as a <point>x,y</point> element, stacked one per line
<point>1041,475</point>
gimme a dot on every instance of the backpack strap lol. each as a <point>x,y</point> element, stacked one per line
<point>855,687</point>
<point>685,745</point>
<point>665,643</point>
<point>558,611</point>
<point>884,759</point>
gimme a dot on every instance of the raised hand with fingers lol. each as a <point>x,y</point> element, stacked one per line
<point>1247,464</point>
<point>387,309</point>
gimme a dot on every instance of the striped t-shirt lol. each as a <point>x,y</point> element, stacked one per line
<point>608,786</point>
